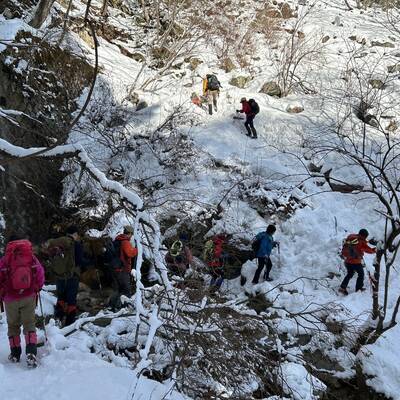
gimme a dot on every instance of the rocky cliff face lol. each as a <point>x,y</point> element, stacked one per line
<point>39,86</point>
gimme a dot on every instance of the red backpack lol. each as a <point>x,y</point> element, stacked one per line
<point>19,261</point>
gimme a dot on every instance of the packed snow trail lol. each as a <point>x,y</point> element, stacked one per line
<point>67,370</point>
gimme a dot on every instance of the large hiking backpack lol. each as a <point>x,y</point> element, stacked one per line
<point>212,82</point>
<point>349,248</point>
<point>255,108</point>
<point>112,255</point>
<point>19,261</point>
<point>62,257</point>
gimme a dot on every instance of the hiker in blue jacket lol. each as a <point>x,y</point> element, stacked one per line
<point>266,243</point>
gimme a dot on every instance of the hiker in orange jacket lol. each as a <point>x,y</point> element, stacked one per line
<point>122,276</point>
<point>354,247</point>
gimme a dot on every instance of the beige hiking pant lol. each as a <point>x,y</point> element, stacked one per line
<point>212,96</point>
<point>21,312</point>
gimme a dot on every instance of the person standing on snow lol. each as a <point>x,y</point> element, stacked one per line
<point>354,247</point>
<point>66,261</point>
<point>211,86</point>
<point>122,274</point>
<point>21,279</point>
<point>179,256</point>
<point>214,256</point>
<point>250,109</point>
<point>263,245</point>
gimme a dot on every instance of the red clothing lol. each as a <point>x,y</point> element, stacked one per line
<point>360,248</point>
<point>6,290</point>
<point>246,108</point>
<point>218,249</point>
<point>127,251</point>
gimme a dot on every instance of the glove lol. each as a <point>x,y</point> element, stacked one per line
<point>275,244</point>
<point>238,111</point>
<point>373,241</point>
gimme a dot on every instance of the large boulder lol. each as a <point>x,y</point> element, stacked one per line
<point>227,64</point>
<point>271,88</point>
<point>376,83</point>
<point>240,81</point>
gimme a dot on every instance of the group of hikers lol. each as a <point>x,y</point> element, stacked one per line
<point>22,275</point>
<point>211,91</point>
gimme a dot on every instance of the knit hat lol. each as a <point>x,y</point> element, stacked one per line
<point>243,99</point>
<point>128,229</point>
<point>364,233</point>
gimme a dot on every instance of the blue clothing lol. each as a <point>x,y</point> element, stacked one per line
<point>266,244</point>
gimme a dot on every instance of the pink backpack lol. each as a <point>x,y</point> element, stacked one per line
<point>19,261</point>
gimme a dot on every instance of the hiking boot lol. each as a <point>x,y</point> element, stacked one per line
<point>15,354</point>
<point>268,279</point>
<point>361,289</point>
<point>343,291</point>
<point>31,361</point>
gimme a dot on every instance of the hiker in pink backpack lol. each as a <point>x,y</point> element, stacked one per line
<point>21,278</point>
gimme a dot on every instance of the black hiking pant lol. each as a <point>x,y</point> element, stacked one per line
<point>351,270</point>
<point>263,262</point>
<point>249,125</point>
<point>121,286</point>
<point>67,290</point>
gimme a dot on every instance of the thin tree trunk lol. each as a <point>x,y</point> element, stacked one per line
<point>41,13</point>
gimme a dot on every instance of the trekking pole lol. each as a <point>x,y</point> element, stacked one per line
<point>43,317</point>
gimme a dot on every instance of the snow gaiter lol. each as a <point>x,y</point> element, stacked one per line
<point>31,343</point>
<point>15,347</point>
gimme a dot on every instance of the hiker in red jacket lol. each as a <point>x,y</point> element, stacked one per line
<point>21,278</point>
<point>216,260</point>
<point>250,109</point>
<point>122,274</point>
<point>354,247</point>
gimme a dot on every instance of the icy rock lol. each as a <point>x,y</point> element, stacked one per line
<point>376,83</point>
<point>193,62</point>
<point>392,126</point>
<point>325,38</point>
<point>357,39</point>
<point>271,89</point>
<point>227,65</point>
<point>393,68</point>
<point>240,81</point>
<point>294,108</point>
<point>141,105</point>
<point>382,44</point>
